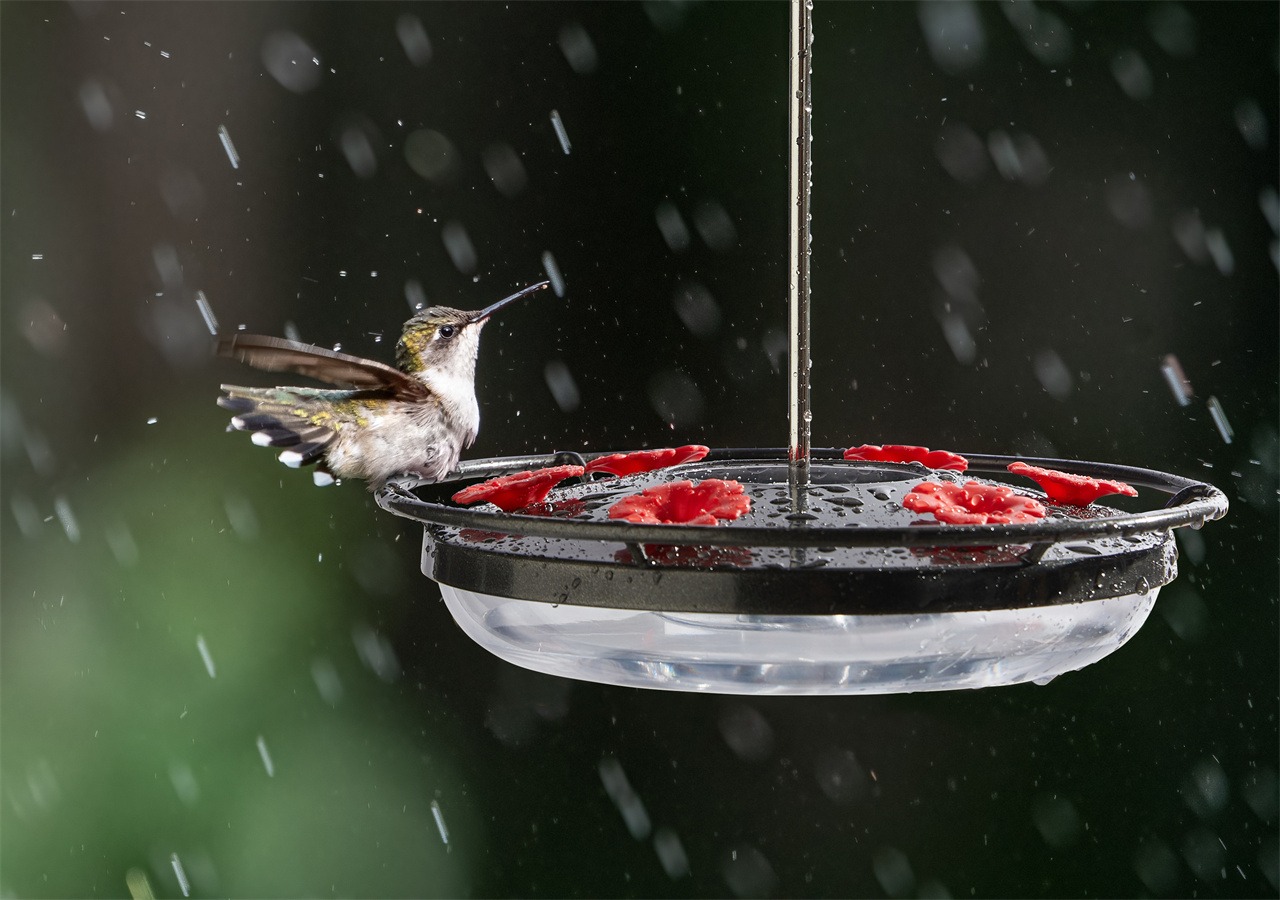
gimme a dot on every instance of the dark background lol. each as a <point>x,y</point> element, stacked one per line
<point>1083,190</point>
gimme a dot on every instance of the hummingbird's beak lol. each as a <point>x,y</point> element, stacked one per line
<point>518,295</point>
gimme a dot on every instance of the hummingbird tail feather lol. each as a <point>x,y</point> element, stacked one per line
<point>294,418</point>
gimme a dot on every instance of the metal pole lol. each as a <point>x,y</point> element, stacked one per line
<point>800,169</point>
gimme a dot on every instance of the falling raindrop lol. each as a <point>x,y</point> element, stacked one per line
<point>1129,201</point>
<point>578,49</point>
<point>165,257</point>
<point>414,40</point>
<point>893,870</point>
<point>1132,74</point>
<point>240,514</point>
<point>43,327</point>
<point>414,295</point>
<point>564,390</point>
<point>62,508</point>
<point>1259,789</point>
<point>265,755</point>
<point>178,872</point>
<point>1219,417</point>
<point>1192,545</point>
<point>181,192</point>
<point>430,154</point>
<point>1173,29</point>
<point>206,313</point>
<point>746,731</point>
<point>457,243</point>
<point>326,679</point>
<point>561,135</point>
<point>291,61</point>
<point>440,826</point>
<point>620,792</point>
<point>358,151</point>
<point>1189,232</point>
<point>96,104</point>
<point>1205,789</point>
<point>225,137</point>
<point>206,656</point>
<point>1053,374</point>
<point>958,336</point>
<point>1215,243</point>
<point>748,872</point>
<point>184,783</point>
<point>138,884</point>
<point>839,775</point>
<point>671,855</point>
<point>1156,866</point>
<point>1252,122</point>
<point>503,166</point>
<point>1269,203</point>
<point>961,152</point>
<point>1177,380</point>
<point>954,34</point>
<point>26,515</point>
<point>1203,852</point>
<point>955,271</point>
<point>1057,821</point>
<point>775,343</point>
<point>1045,36</point>
<point>1185,612</point>
<point>376,652</point>
<point>552,269</point>
<point>676,398</point>
<point>1019,158</point>
<point>715,227</point>
<point>671,224</point>
<point>697,309</point>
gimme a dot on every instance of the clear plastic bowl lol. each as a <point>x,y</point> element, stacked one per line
<point>810,654</point>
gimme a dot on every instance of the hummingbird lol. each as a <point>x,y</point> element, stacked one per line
<point>377,420</point>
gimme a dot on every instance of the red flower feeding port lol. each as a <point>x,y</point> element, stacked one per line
<point>683,502</point>
<point>512,492</point>
<point>905,453</point>
<point>1074,490</point>
<point>646,460</point>
<point>972,503</point>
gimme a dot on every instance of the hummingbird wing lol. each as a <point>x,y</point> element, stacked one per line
<point>274,354</point>
<point>303,422</point>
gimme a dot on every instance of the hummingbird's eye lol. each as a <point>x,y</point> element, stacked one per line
<point>446,331</point>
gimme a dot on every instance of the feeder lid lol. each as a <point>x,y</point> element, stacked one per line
<point>842,545</point>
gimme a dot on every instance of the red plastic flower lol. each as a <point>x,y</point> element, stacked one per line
<point>512,492</point>
<point>647,460</point>
<point>1073,490</point>
<point>684,503</point>
<point>972,504</point>
<point>904,453</point>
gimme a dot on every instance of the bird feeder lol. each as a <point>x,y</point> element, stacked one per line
<point>799,570</point>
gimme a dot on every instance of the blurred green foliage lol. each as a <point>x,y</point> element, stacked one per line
<point>121,749</point>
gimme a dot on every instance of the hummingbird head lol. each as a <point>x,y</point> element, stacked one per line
<point>441,343</point>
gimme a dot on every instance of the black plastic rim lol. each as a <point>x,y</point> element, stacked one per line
<point>1192,503</point>
<point>1025,578</point>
